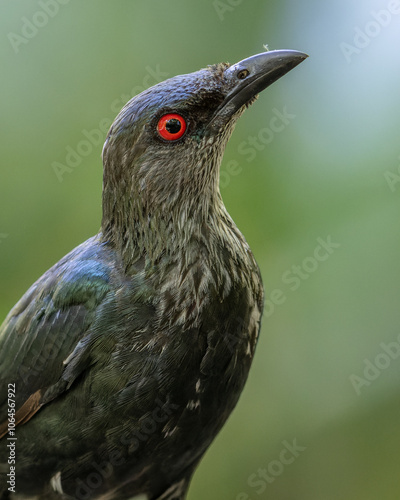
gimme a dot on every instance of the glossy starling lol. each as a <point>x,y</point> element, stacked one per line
<point>120,365</point>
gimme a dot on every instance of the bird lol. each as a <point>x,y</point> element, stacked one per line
<point>120,365</point>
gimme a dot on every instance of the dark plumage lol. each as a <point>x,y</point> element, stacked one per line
<point>130,353</point>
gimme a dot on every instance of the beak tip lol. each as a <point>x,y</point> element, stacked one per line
<point>303,56</point>
<point>295,56</point>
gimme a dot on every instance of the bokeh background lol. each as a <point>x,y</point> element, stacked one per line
<point>326,377</point>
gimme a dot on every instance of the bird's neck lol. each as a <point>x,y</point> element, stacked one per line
<point>136,230</point>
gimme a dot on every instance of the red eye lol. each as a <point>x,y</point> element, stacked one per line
<point>171,126</point>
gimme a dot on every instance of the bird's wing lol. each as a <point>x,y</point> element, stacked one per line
<point>44,339</point>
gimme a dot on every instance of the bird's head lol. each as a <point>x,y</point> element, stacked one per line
<point>163,151</point>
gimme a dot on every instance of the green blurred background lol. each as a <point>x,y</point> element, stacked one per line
<point>333,170</point>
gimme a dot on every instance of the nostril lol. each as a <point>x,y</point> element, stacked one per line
<point>243,74</point>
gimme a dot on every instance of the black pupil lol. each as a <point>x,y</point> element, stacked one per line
<point>173,126</point>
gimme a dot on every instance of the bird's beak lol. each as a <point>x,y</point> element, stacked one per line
<point>250,76</point>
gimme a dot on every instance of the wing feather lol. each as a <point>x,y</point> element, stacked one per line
<point>41,333</point>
